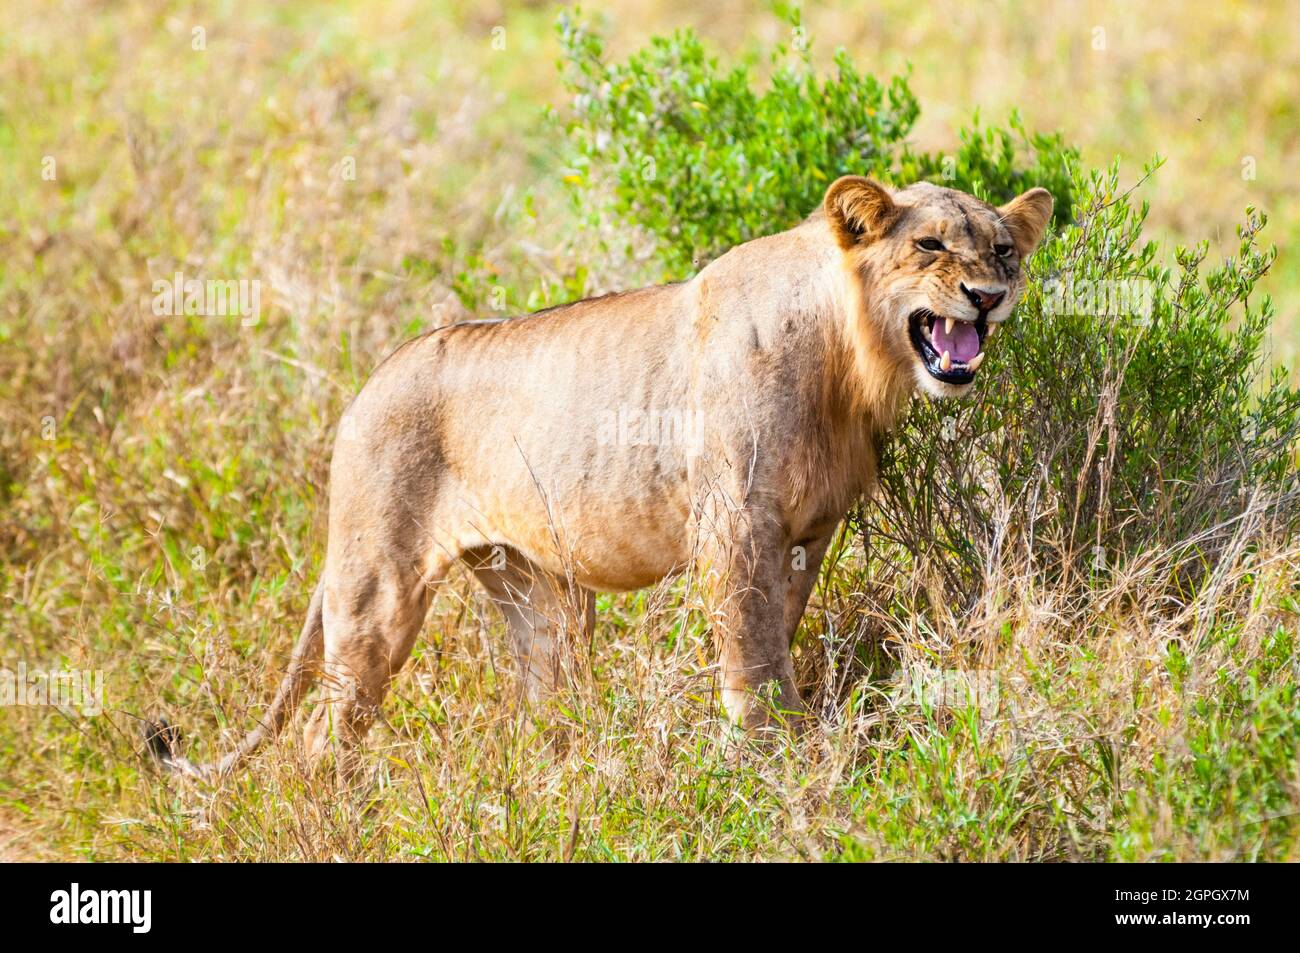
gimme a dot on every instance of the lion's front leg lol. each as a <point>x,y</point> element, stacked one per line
<point>743,568</point>
<point>803,563</point>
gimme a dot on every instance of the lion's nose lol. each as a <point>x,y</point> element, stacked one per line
<point>983,300</point>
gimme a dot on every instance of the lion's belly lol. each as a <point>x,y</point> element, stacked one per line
<point>607,553</point>
<point>611,564</point>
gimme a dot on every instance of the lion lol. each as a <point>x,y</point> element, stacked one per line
<point>722,425</point>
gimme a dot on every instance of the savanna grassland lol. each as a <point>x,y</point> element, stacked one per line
<point>1065,630</point>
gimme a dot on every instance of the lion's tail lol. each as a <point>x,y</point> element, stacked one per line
<point>164,740</point>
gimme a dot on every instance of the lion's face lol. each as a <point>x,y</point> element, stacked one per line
<point>940,270</point>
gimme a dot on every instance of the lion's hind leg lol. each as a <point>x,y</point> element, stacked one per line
<point>544,614</point>
<point>372,616</point>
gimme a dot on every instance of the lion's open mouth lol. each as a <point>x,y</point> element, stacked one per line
<point>950,348</point>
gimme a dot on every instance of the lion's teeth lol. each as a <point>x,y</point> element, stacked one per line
<point>946,361</point>
<point>975,361</point>
<point>993,329</point>
<point>949,324</point>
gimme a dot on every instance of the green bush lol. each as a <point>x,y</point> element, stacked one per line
<point>699,159</point>
<point>1122,410</point>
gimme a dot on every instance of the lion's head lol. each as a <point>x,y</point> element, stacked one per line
<point>939,270</point>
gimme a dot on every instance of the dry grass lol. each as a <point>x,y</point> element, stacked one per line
<point>168,528</point>
<point>1092,745</point>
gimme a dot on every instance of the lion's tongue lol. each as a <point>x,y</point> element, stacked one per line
<point>963,343</point>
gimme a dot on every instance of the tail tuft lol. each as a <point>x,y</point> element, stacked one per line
<point>162,738</point>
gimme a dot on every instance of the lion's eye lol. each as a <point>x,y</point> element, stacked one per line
<point>1002,251</point>
<point>931,244</point>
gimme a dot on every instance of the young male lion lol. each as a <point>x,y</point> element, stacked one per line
<point>534,448</point>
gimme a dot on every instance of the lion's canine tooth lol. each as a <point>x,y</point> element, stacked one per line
<point>946,361</point>
<point>993,329</point>
<point>949,324</point>
<point>976,361</point>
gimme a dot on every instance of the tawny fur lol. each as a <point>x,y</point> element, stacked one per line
<point>505,444</point>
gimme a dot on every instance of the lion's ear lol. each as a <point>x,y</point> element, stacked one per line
<point>858,209</point>
<point>1026,217</point>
